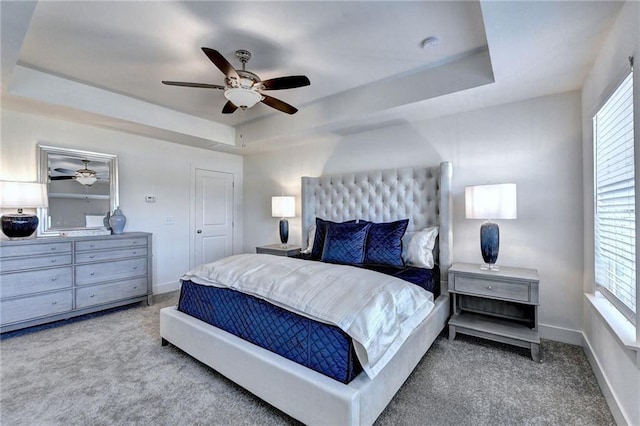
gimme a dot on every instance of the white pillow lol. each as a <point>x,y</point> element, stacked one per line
<point>311,238</point>
<point>420,248</point>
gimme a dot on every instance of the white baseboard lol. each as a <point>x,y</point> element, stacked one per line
<point>559,334</point>
<point>609,395</point>
<point>166,287</point>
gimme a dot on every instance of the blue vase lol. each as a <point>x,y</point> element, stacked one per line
<point>117,221</point>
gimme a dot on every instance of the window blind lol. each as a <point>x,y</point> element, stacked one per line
<point>615,215</point>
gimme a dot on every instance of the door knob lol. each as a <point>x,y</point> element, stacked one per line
<point>199,231</point>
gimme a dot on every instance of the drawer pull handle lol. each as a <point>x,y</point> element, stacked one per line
<point>54,278</point>
<point>135,267</point>
<point>54,260</point>
<point>135,252</point>
<point>53,249</point>
<point>93,295</point>
<point>91,245</point>
<point>54,303</point>
<point>92,273</point>
<point>92,256</point>
<point>135,287</point>
<point>135,242</point>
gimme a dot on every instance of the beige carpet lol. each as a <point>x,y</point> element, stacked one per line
<point>110,369</point>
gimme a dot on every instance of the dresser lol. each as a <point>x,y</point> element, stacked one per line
<point>497,305</point>
<point>49,279</point>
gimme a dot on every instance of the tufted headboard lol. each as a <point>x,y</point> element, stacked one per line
<point>423,195</point>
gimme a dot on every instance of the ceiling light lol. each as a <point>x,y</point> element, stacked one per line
<point>243,98</point>
<point>86,176</point>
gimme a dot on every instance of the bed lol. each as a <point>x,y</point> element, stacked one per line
<point>421,195</point>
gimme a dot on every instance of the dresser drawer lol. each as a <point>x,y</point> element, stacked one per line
<point>31,307</point>
<point>96,272</point>
<point>495,289</point>
<point>111,244</point>
<point>97,256</point>
<point>99,294</point>
<point>28,282</point>
<point>34,249</point>
<point>30,262</point>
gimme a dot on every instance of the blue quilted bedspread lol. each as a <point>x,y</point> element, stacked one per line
<point>322,347</point>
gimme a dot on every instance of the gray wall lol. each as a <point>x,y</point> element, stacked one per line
<point>535,143</point>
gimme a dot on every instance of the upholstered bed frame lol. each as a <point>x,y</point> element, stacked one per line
<point>420,194</point>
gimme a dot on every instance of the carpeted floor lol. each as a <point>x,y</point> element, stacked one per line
<point>110,369</point>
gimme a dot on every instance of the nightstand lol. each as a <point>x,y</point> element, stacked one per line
<point>278,250</point>
<point>496,305</point>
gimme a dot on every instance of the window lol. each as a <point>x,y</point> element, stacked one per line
<point>615,213</point>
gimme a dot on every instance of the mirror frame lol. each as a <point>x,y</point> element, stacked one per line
<point>42,156</point>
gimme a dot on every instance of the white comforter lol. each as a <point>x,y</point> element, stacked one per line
<point>377,311</point>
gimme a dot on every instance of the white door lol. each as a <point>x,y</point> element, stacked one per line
<point>213,215</point>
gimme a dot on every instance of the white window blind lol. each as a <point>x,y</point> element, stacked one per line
<point>615,215</point>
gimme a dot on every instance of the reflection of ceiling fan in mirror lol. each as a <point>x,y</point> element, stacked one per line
<point>83,176</point>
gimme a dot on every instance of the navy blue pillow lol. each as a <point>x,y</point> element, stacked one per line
<point>318,240</point>
<point>384,243</point>
<point>345,242</point>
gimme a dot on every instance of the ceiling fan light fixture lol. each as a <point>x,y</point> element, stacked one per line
<point>86,178</point>
<point>242,98</point>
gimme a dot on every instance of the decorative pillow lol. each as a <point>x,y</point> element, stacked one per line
<point>420,250</point>
<point>311,235</point>
<point>318,240</point>
<point>344,243</point>
<point>384,243</point>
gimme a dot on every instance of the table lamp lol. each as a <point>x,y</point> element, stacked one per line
<point>490,202</point>
<point>21,195</point>
<point>283,206</point>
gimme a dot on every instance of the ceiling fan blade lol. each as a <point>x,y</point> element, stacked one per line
<point>220,62</point>
<point>290,82</point>
<point>63,170</point>
<point>229,108</point>
<point>61,177</point>
<point>199,85</point>
<point>278,104</point>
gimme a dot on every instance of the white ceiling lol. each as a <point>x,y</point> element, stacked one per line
<point>102,62</point>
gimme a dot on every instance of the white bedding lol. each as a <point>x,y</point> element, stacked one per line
<point>377,311</point>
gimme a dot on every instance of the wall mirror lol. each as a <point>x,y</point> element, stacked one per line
<point>82,187</point>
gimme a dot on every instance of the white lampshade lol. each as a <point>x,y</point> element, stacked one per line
<point>491,201</point>
<point>283,206</point>
<point>241,97</point>
<point>23,195</point>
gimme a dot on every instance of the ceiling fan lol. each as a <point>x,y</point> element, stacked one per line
<point>84,176</point>
<point>243,89</point>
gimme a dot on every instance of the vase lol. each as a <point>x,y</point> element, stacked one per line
<point>105,221</point>
<point>117,221</point>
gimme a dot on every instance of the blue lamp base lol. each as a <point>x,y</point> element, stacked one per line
<point>284,232</point>
<point>490,245</point>
<point>18,225</point>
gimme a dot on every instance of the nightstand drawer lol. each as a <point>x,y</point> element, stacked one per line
<point>492,288</point>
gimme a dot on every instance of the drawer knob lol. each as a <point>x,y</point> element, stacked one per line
<point>54,278</point>
<point>54,303</point>
<point>91,245</point>
<point>93,295</point>
<point>92,256</point>
<point>135,287</point>
<point>135,252</point>
<point>54,260</point>
<point>489,287</point>
<point>135,242</point>
<point>53,249</point>
<point>92,273</point>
